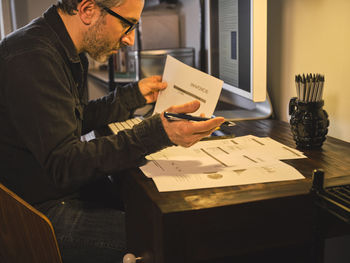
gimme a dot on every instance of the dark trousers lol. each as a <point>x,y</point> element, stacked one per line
<point>87,229</point>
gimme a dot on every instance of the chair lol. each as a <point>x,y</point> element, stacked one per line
<point>26,235</point>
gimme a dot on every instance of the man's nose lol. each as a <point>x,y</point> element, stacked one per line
<point>129,39</point>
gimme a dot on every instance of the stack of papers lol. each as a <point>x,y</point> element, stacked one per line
<point>227,162</point>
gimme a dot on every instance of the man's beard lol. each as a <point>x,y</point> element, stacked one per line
<point>97,45</point>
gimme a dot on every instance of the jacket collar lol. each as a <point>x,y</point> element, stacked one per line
<point>53,19</point>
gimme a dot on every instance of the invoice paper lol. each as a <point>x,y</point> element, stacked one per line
<point>186,84</point>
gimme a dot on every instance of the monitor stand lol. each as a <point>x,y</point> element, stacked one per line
<point>234,107</point>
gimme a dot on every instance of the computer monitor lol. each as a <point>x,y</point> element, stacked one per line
<point>236,40</point>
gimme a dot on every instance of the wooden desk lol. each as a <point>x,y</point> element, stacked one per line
<point>219,223</point>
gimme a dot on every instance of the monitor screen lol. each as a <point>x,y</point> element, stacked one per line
<point>236,42</point>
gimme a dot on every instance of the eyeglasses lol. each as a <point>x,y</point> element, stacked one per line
<point>131,27</point>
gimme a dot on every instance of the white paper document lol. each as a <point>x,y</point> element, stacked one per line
<point>226,161</point>
<point>186,84</point>
<point>273,172</point>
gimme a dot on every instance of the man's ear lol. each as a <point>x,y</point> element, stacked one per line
<point>87,11</point>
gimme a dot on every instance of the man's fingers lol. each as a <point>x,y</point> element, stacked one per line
<point>157,83</point>
<point>159,86</point>
<point>187,133</point>
<point>205,126</point>
<point>157,78</point>
<point>188,107</point>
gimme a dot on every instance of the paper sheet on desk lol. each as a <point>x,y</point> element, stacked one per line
<point>186,84</point>
<point>225,159</point>
<point>215,155</point>
<point>274,172</point>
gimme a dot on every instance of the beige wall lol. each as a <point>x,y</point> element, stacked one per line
<point>190,20</point>
<point>38,7</point>
<point>311,36</point>
<point>6,17</point>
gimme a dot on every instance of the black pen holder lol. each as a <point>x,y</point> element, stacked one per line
<point>309,123</point>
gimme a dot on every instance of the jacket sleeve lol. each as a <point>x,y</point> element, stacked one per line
<point>45,116</point>
<point>116,106</point>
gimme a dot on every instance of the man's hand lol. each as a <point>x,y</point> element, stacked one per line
<point>150,87</point>
<point>187,133</point>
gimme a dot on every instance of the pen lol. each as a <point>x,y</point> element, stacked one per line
<point>182,116</point>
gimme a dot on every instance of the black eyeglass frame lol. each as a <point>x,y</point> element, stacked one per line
<point>132,26</point>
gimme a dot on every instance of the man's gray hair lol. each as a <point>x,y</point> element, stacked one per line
<point>70,6</point>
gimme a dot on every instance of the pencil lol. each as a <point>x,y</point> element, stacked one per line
<point>309,88</point>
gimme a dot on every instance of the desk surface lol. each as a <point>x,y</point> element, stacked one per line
<point>333,158</point>
<point>197,225</point>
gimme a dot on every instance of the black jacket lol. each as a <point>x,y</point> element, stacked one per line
<point>44,111</point>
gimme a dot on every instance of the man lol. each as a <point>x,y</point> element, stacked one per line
<point>44,111</point>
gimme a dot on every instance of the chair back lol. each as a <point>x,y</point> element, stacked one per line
<point>26,235</point>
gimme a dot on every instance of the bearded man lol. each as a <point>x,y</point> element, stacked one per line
<point>44,110</point>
